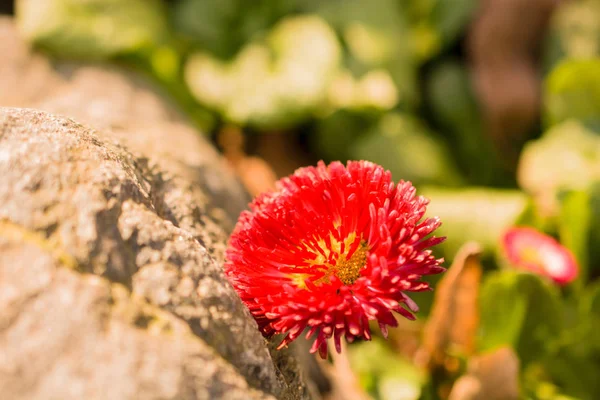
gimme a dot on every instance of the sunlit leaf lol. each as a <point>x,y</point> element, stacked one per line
<point>574,32</point>
<point>572,91</point>
<point>272,83</point>
<point>574,227</point>
<point>92,29</point>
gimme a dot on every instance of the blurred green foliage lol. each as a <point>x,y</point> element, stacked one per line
<point>271,83</point>
<point>474,214</point>
<point>574,33</point>
<point>566,157</point>
<point>405,146</point>
<point>520,310</point>
<point>573,91</point>
<point>93,29</point>
<point>384,375</point>
<point>579,227</point>
<point>387,80</point>
<point>456,111</point>
<point>223,27</point>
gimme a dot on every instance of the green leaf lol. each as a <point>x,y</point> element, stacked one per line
<point>594,231</point>
<point>503,312</point>
<point>589,312</point>
<point>574,227</point>
<point>93,29</point>
<point>572,91</point>
<point>519,310</point>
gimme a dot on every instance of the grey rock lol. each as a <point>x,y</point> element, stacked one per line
<point>90,208</point>
<point>67,335</point>
<point>112,236</point>
<point>127,109</point>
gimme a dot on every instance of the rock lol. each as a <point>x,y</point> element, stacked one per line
<point>126,108</point>
<point>111,245</point>
<point>82,219</point>
<point>68,335</point>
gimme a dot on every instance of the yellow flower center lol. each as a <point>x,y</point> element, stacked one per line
<point>346,267</point>
<point>531,256</point>
<point>348,271</point>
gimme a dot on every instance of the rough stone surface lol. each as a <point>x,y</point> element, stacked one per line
<point>126,108</point>
<point>81,217</point>
<point>112,237</point>
<point>67,335</point>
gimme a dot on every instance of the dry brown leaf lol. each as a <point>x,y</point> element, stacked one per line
<point>492,376</point>
<point>454,319</point>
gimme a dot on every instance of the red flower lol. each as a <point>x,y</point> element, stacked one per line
<point>332,248</point>
<point>532,250</point>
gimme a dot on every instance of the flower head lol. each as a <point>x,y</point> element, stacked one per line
<point>332,248</point>
<point>534,251</point>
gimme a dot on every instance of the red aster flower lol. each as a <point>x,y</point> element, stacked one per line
<point>332,248</point>
<point>531,250</point>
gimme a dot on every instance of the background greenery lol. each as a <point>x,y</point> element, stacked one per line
<point>388,81</point>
